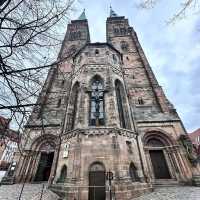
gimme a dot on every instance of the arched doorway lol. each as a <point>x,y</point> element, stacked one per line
<point>157,157</point>
<point>45,162</point>
<point>97,180</point>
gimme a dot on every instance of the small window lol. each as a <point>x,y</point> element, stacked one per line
<point>127,58</point>
<point>63,174</point>
<point>140,101</point>
<point>59,103</point>
<point>114,58</point>
<point>133,76</point>
<point>62,83</point>
<point>96,52</point>
<point>124,46</point>
<point>133,173</point>
<point>79,59</point>
<point>116,31</point>
<point>198,139</point>
<point>129,146</point>
<point>122,31</point>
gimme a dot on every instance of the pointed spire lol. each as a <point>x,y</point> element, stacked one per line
<point>112,12</point>
<point>82,16</point>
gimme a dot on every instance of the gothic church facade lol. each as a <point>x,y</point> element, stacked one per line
<point>102,110</point>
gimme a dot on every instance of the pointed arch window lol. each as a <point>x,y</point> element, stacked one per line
<point>73,107</point>
<point>63,174</point>
<point>133,173</point>
<point>118,90</point>
<point>97,103</point>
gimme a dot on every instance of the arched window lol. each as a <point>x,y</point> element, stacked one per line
<point>63,174</point>
<point>79,59</point>
<point>62,83</point>
<point>118,90</point>
<point>96,52</point>
<point>198,150</point>
<point>140,101</point>
<point>59,103</point>
<point>114,58</point>
<point>73,107</point>
<point>129,146</point>
<point>124,46</point>
<point>97,103</point>
<point>133,173</point>
<point>154,142</point>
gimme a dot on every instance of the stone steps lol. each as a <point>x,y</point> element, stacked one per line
<point>62,190</point>
<point>165,183</point>
<point>196,180</point>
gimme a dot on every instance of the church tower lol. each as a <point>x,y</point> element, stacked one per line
<point>102,125</point>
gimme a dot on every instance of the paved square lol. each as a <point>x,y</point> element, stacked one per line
<point>173,193</point>
<point>33,192</point>
<point>30,192</point>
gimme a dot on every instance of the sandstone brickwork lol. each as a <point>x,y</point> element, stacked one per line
<point>131,123</point>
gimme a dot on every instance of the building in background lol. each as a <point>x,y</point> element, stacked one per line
<point>195,138</point>
<point>9,140</point>
<point>103,115</point>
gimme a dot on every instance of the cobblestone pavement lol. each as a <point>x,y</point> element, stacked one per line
<point>30,192</point>
<point>33,192</point>
<point>173,193</point>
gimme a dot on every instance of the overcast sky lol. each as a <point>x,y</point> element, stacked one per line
<point>173,51</point>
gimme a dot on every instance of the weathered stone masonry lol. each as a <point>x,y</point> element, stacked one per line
<point>103,110</point>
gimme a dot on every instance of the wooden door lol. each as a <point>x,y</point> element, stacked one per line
<point>44,166</point>
<point>159,164</point>
<point>97,185</point>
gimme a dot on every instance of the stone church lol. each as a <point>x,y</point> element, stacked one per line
<point>102,125</point>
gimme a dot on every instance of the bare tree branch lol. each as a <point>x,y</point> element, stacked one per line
<point>185,7</point>
<point>30,38</point>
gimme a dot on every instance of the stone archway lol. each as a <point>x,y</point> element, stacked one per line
<point>159,164</point>
<point>97,181</point>
<point>47,151</point>
<point>159,151</point>
<point>43,148</point>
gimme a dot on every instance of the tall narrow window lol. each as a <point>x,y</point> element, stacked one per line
<point>75,99</point>
<point>63,174</point>
<point>73,107</point>
<point>133,173</point>
<point>59,103</point>
<point>140,101</point>
<point>129,146</point>
<point>97,103</point>
<point>118,91</point>
<point>96,52</point>
<point>114,58</point>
